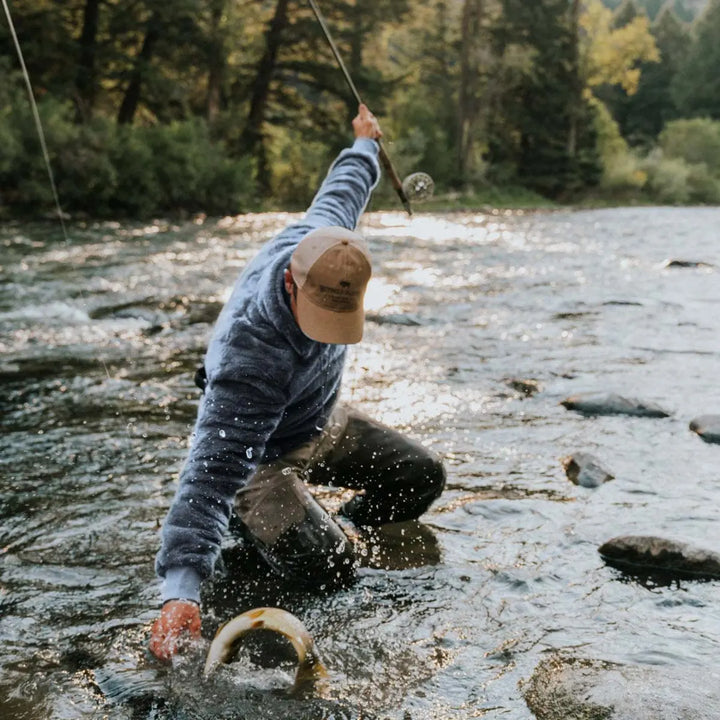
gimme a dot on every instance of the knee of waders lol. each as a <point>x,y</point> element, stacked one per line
<point>423,475</point>
<point>319,560</point>
<point>431,482</point>
<point>436,477</point>
<point>419,483</point>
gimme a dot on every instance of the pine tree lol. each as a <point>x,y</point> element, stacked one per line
<point>554,150</point>
<point>643,114</point>
<point>626,13</point>
<point>696,87</point>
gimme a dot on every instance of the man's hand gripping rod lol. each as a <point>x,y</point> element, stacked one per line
<point>384,159</point>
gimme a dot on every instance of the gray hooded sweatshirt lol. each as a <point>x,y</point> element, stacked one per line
<point>270,388</point>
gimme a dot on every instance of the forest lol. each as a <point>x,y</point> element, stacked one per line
<point>227,106</point>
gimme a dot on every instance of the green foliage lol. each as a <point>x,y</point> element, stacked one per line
<point>551,142</point>
<point>643,115</point>
<point>674,181</point>
<point>696,87</point>
<point>221,102</point>
<point>102,169</point>
<point>694,141</point>
<point>687,10</point>
<point>667,178</point>
<point>298,169</point>
<point>621,167</point>
<point>625,14</point>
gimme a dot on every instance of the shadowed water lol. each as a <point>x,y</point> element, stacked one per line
<point>100,336</point>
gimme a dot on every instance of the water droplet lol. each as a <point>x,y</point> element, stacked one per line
<point>222,433</point>
<point>286,471</point>
<point>249,453</point>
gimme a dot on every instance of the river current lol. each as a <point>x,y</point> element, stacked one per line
<point>100,335</point>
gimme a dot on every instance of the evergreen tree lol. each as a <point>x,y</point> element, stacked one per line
<point>423,119</point>
<point>696,87</point>
<point>626,13</point>
<point>682,11</point>
<point>654,8</point>
<point>539,115</point>
<point>643,114</point>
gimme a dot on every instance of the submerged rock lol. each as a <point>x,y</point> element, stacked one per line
<point>563,688</point>
<point>707,427</point>
<point>686,264</point>
<point>526,387</point>
<point>612,404</point>
<point>585,470</point>
<point>395,319</point>
<point>671,557</point>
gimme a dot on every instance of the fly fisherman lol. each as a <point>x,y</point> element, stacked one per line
<point>269,418</point>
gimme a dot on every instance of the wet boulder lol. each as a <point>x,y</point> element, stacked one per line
<point>656,554</point>
<point>585,470</point>
<point>406,319</point>
<point>707,427</point>
<point>525,386</point>
<point>686,264</point>
<point>567,688</point>
<point>612,404</point>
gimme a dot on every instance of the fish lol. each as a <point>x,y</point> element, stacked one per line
<point>310,668</point>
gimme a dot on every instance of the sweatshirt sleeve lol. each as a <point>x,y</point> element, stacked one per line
<point>345,192</point>
<point>242,406</point>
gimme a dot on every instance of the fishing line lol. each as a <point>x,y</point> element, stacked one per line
<point>419,186</point>
<point>36,116</point>
<point>46,154</point>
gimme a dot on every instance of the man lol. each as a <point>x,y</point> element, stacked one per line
<point>269,418</point>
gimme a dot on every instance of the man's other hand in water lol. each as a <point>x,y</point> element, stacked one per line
<point>178,623</point>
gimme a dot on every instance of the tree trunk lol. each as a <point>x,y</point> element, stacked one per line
<point>252,140</point>
<point>576,96</point>
<point>132,93</point>
<point>216,62</point>
<point>469,83</point>
<point>86,80</point>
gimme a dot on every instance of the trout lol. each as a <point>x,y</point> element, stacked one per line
<point>310,668</point>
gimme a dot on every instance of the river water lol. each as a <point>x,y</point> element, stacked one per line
<point>100,337</point>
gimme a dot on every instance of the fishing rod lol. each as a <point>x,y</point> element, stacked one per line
<point>36,118</point>
<point>418,186</point>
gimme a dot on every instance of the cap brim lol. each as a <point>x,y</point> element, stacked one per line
<point>325,326</point>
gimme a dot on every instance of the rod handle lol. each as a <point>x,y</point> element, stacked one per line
<point>394,179</point>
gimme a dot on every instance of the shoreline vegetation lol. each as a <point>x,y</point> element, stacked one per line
<point>491,201</point>
<point>225,108</point>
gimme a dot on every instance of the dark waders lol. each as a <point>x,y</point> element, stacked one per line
<point>397,477</point>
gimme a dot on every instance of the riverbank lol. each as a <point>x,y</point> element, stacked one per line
<point>489,200</point>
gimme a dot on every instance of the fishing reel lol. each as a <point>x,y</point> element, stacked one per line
<point>418,187</point>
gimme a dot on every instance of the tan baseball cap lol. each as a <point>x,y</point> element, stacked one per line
<point>331,267</point>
